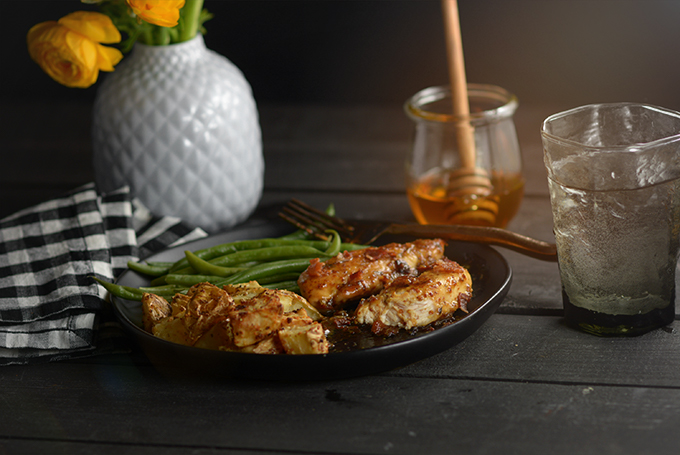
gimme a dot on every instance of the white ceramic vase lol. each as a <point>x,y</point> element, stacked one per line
<point>179,125</point>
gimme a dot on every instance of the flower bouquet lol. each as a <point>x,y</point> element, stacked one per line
<point>72,52</point>
<point>175,122</point>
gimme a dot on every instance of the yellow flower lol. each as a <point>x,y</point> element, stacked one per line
<point>69,50</point>
<point>158,12</point>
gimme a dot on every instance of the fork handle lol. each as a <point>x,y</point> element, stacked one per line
<point>480,234</point>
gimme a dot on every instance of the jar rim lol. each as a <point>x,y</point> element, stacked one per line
<point>415,109</point>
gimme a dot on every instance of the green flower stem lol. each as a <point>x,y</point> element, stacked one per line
<point>162,36</point>
<point>146,35</point>
<point>190,14</point>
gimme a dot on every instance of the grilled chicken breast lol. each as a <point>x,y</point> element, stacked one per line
<point>353,275</point>
<point>437,291</point>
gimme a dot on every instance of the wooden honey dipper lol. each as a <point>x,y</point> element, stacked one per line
<point>469,180</point>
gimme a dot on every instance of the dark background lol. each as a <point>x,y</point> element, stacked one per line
<point>566,52</point>
<point>368,56</point>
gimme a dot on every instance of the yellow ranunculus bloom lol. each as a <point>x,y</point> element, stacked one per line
<point>158,12</point>
<point>69,50</point>
<point>96,26</point>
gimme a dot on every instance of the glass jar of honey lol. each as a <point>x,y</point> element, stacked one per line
<point>437,173</point>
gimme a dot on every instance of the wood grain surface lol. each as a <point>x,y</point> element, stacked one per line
<point>523,383</point>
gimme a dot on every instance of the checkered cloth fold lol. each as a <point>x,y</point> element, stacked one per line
<point>50,307</point>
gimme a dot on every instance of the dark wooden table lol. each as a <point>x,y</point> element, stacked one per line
<point>524,383</point>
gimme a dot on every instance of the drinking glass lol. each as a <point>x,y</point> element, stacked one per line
<point>434,164</point>
<point>614,179</point>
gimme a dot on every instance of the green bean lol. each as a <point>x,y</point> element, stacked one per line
<point>147,269</point>
<point>268,254</point>
<point>160,263</point>
<point>124,292</point>
<point>156,289</point>
<point>158,281</point>
<point>300,234</point>
<point>190,280</point>
<point>163,291</point>
<point>238,268</point>
<point>213,253</point>
<point>223,249</point>
<point>227,259</point>
<point>226,248</point>
<point>352,246</point>
<point>220,266</point>
<point>206,268</point>
<point>334,244</point>
<point>216,268</point>
<point>267,269</point>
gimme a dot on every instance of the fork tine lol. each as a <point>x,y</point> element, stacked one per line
<point>313,216</point>
<point>304,224</point>
<point>318,215</point>
<point>316,223</point>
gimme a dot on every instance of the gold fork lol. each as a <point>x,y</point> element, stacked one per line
<point>366,232</point>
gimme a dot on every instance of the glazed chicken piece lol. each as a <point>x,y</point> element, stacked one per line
<point>438,291</point>
<point>353,275</point>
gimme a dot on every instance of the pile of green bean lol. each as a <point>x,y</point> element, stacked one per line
<point>272,262</point>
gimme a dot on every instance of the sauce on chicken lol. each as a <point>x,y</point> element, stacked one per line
<point>353,275</point>
<point>439,290</point>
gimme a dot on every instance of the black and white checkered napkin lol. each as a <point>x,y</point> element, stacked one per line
<point>50,307</point>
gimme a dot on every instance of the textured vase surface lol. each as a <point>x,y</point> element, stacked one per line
<point>179,125</point>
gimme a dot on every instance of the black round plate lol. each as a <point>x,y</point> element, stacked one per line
<point>491,276</point>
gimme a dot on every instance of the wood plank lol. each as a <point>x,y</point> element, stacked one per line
<point>131,407</point>
<point>357,168</point>
<point>389,206</point>
<point>543,349</point>
<point>34,446</point>
<point>368,143</point>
